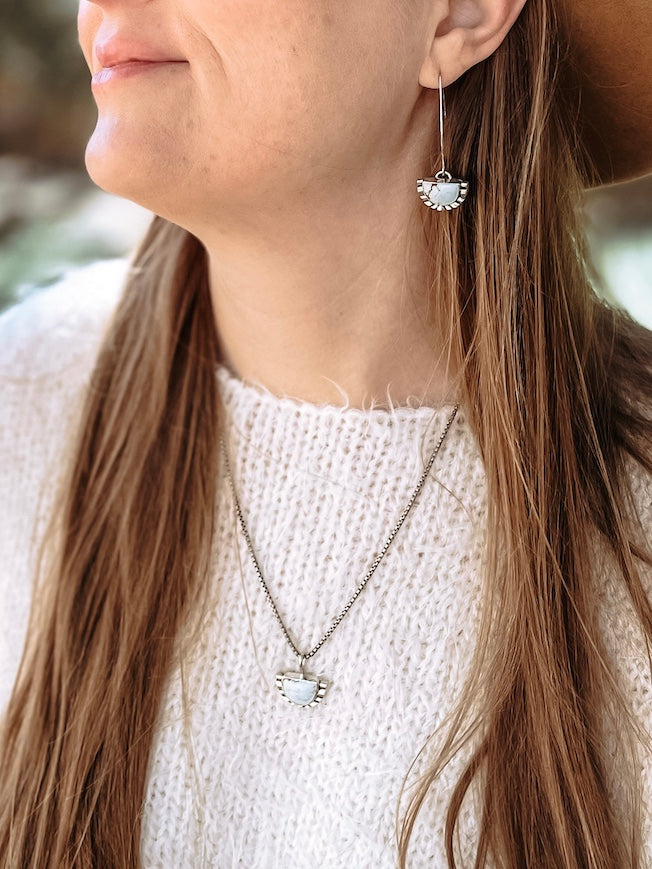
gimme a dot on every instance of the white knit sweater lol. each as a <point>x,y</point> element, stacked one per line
<point>254,781</point>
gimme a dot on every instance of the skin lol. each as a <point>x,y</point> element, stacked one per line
<point>289,143</point>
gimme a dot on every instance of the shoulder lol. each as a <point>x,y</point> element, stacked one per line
<point>60,327</point>
<point>48,344</point>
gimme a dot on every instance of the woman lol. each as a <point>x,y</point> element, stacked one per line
<point>352,531</point>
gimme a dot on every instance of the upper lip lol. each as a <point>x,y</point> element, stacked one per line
<point>115,51</point>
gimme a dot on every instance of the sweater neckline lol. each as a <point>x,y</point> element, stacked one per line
<point>252,392</point>
<point>332,441</point>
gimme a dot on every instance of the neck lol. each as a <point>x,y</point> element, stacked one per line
<point>315,308</point>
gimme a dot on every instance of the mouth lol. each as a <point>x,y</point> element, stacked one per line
<point>129,68</point>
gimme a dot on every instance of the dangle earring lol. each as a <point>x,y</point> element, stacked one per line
<point>441,191</point>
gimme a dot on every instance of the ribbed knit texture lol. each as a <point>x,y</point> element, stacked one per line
<point>321,487</point>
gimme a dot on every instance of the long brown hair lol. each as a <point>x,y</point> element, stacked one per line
<point>558,388</point>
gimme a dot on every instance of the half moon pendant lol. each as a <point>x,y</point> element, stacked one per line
<point>299,688</point>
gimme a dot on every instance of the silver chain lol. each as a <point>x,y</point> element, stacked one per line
<point>371,570</point>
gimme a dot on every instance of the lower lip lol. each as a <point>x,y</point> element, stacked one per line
<point>133,67</point>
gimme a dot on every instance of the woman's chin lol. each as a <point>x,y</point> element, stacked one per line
<point>118,170</point>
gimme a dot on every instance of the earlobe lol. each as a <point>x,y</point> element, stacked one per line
<point>466,33</point>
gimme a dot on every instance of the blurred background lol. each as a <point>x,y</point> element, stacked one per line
<point>53,217</point>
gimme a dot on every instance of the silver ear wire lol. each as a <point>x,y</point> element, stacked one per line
<point>441,191</point>
<point>442,115</point>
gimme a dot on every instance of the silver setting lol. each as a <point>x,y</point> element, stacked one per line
<point>433,191</point>
<point>303,689</point>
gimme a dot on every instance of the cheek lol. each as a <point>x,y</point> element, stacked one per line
<point>256,75</point>
<point>278,90</point>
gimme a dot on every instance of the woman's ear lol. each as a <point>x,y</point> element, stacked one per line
<point>462,33</point>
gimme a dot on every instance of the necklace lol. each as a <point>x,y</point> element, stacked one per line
<point>297,687</point>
